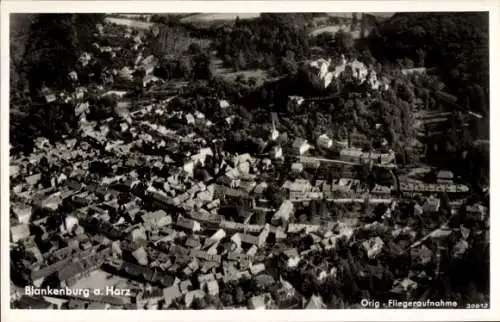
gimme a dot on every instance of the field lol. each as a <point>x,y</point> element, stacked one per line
<point>356,34</point>
<point>229,74</point>
<point>132,23</point>
<point>208,17</point>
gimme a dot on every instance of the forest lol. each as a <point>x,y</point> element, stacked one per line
<point>456,44</point>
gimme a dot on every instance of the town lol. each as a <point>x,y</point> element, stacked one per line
<point>260,194</point>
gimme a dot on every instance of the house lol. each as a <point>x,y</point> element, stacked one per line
<point>236,241</point>
<point>460,248</point>
<point>52,202</point>
<point>191,295</point>
<point>190,118</point>
<point>351,155</point>
<point>140,256</point>
<point>73,271</point>
<point>283,213</point>
<point>189,167</point>
<point>410,187</point>
<point>315,303</point>
<point>417,210</point>
<point>138,235</point>
<point>98,306</point>
<point>310,162</point>
<point>422,254</point>
<point>252,251</point>
<point>26,302</point>
<point>298,185</point>
<point>263,235</point>
<point>149,64</point>
<point>343,144</point>
<point>445,177</point>
<point>35,252</point>
<point>212,287</point>
<point>300,146</point>
<point>295,101</point>
<point>48,95</point>
<point>216,237</point>
<point>249,239</point>
<point>230,119</point>
<point>258,302</point>
<point>125,74</point>
<point>185,286</point>
<point>405,286</point>
<point>381,191</point>
<point>188,224</point>
<point>193,241</point>
<point>432,204</point>
<point>373,246</point>
<point>158,219</point>
<point>409,71</point>
<point>477,211</point>
<point>359,70</point>
<point>276,152</point>
<point>33,179</point>
<point>70,222</point>
<point>273,136</point>
<point>297,167</point>
<point>257,269</point>
<point>287,296</point>
<point>292,257</point>
<point>280,233</point>
<point>324,141</point>
<point>260,188</point>
<point>19,232</point>
<point>23,214</point>
<point>223,104</point>
<point>73,76</point>
<point>203,279</point>
<point>201,254</point>
<point>149,79</point>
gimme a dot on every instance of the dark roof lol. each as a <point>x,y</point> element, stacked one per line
<point>31,302</point>
<point>446,97</point>
<point>82,265</point>
<point>147,274</point>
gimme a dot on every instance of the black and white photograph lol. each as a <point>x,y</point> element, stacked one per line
<point>249,161</point>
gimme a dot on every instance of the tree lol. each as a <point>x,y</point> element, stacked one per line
<point>52,51</point>
<point>194,49</point>
<point>355,21</point>
<point>288,66</point>
<point>239,295</point>
<point>86,25</point>
<point>199,303</point>
<point>407,63</point>
<point>421,54</point>
<point>202,68</point>
<point>262,42</point>
<point>439,40</point>
<point>55,42</point>
<point>227,299</point>
<point>344,41</point>
<point>252,81</point>
<point>324,39</point>
<point>184,67</point>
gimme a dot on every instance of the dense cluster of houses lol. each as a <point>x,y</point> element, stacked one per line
<point>170,216</point>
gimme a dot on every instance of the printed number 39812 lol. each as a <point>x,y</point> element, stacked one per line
<point>477,306</point>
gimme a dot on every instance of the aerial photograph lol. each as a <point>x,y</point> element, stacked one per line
<point>255,160</point>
